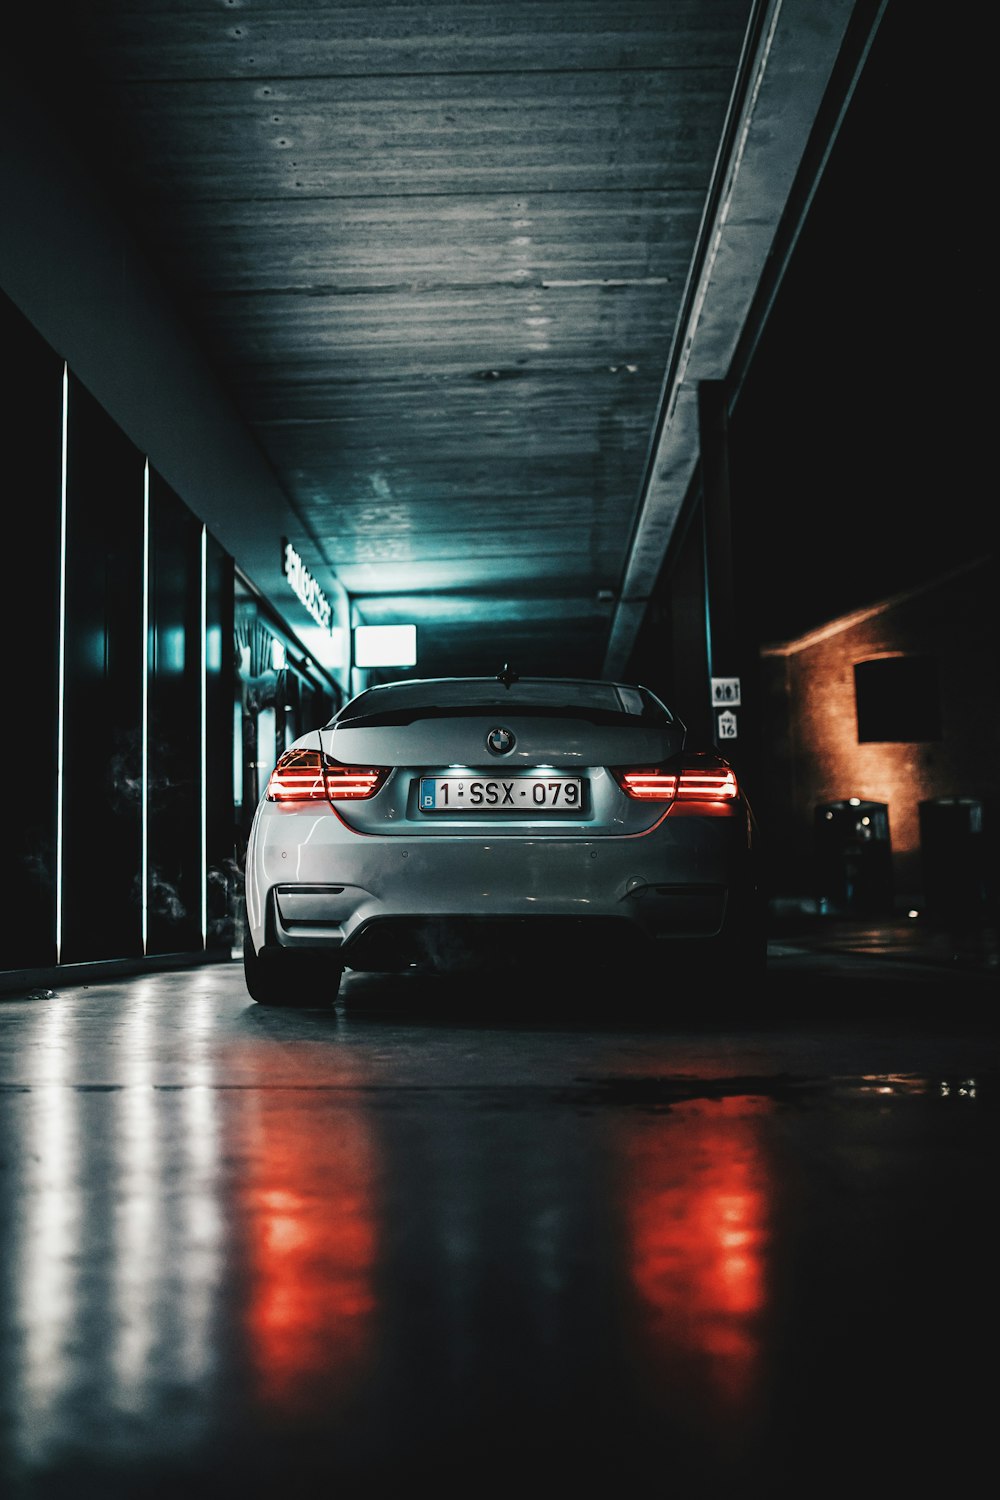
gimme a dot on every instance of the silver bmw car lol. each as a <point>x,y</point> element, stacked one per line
<point>454,823</point>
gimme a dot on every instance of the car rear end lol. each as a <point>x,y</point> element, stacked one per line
<point>454,824</point>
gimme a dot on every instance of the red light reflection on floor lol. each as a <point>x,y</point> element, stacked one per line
<point>312,1242</point>
<point>697,1209</point>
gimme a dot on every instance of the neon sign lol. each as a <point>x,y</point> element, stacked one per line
<point>305,588</point>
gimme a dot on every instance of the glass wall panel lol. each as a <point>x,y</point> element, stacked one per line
<point>30,484</point>
<point>224,878</point>
<point>174,886</point>
<point>102,747</point>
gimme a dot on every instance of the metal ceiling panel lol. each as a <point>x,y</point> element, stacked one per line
<point>459,267</point>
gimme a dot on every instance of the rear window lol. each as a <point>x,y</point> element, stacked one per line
<point>596,702</point>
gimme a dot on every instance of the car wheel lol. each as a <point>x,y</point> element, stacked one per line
<point>298,980</point>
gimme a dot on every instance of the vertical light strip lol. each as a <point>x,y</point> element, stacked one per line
<point>61,687</point>
<point>204,737</point>
<point>144,731</point>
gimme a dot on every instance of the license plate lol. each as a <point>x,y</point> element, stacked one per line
<point>492,794</point>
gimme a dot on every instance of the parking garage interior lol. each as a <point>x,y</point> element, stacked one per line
<point>640,343</point>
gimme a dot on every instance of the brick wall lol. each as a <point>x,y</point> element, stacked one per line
<point>814,753</point>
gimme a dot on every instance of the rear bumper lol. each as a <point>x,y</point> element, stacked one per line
<point>449,943</point>
<point>385,904</point>
<point>328,919</point>
<point>655,908</point>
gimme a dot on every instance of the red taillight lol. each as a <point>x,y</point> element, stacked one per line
<point>715,781</point>
<point>310,776</point>
<point>652,786</point>
<point>298,777</point>
<point>709,784</point>
<point>349,783</point>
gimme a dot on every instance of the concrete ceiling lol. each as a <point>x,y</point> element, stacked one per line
<point>461,267</point>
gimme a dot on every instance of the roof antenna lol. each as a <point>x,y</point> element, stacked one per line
<point>507,677</point>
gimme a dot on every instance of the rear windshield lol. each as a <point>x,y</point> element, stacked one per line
<point>596,702</point>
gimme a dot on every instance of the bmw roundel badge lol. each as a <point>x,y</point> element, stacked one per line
<point>500,741</point>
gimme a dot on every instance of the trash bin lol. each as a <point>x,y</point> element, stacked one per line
<point>954,866</point>
<point>853,858</point>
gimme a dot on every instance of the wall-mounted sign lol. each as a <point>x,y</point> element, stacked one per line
<point>385,645</point>
<point>726,725</point>
<point>726,692</point>
<point>304,586</point>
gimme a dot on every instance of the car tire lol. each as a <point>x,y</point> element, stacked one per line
<point>293,980</point>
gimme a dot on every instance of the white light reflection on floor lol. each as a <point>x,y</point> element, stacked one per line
<point>119,1236</point>
<point>167,1246</point>
<point>138,1230</point>
<point>201,1221</point>
<point>48,1271</point>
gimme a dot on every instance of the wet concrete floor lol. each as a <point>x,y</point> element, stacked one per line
<point>495,1242</point>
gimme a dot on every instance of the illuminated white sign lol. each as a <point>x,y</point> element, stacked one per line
<point>726,692</point>
<point>385,645</point>
<point>305,588</point>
